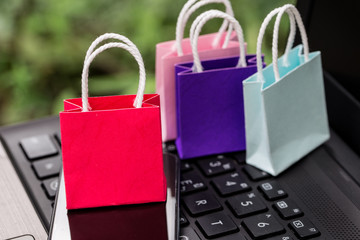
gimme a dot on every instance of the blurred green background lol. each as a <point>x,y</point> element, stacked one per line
<point>43,45</point>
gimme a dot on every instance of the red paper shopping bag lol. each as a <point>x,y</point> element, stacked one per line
<point>112,151</point>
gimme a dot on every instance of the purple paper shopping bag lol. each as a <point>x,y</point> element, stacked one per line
<point>172,52</point>
<point>209,102</point>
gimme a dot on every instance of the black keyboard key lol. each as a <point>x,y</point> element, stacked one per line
<point>287,209</point>
<point>38,147</point>
<point>191,182</point>
<point>216,225</point>
<point>50,186</point>
<point>255,174</point>
<point>230,184</point>
<point>272,190</point>
<point>170,147</point>
<point>239,156</point>
<point>47,168</point>
<point>282,237</point>
<point>184,167</point>
<point>201,203</point>
<point>233,236</point>
<point>183,220</point>
<point>304,229</point>
<point>216,165</point>
<point>188,234</point>
<point>264,225</point>
<point>246,204</point>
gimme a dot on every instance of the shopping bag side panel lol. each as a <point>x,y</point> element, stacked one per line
<point>161,53</point>
<point>296,113</point>
<point>257,143</point>
<point>178,103</point>
<point>72,105</point>
<point>152,99</point>
<point>112,157</point>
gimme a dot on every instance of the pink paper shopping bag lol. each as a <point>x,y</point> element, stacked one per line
<point>215,45</point>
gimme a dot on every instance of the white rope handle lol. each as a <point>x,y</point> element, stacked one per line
<point>304,38</point>
<point>119,37</point>
<point>196,29</point>
<point>261,36</point>
<point>85,73</point>
<point>107,36</point>
<point>291,38</point>
<point>228,10</point>
<point>188,9</point>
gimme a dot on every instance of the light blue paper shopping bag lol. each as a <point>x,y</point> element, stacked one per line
<point>285,110</point>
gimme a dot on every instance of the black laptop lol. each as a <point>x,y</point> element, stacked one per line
<point>222,197</point>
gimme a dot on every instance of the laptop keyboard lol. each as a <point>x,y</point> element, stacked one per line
<point>221,197</point>
<point>34,149</point>
<point>39,150</point>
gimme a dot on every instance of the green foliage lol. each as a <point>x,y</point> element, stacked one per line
<point>43,44</point>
